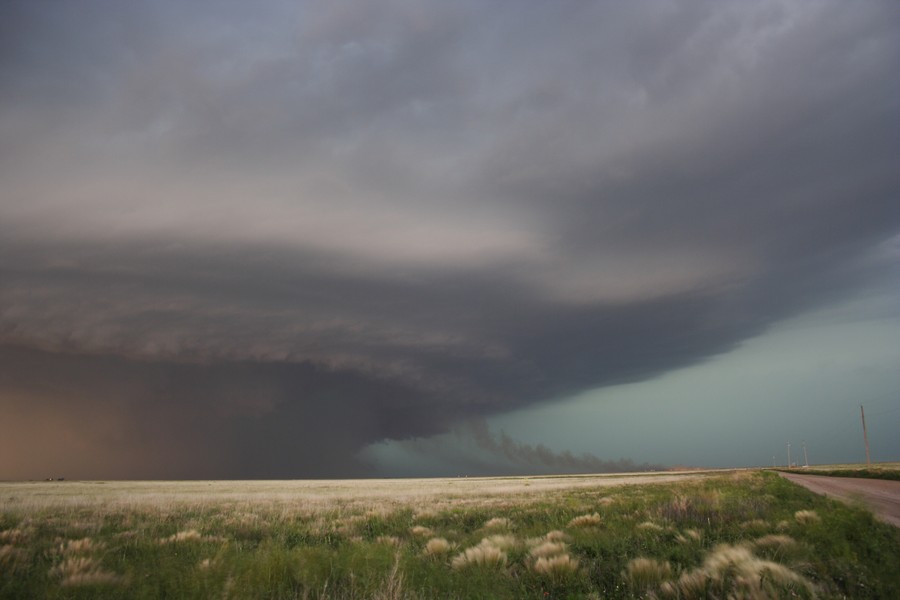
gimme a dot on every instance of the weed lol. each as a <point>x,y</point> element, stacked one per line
<point>437,547</point>
<point>645,573</point>
<point>556,567</point>
<point>482,555</point>
<point>806,516</point>
<point>593,520</point>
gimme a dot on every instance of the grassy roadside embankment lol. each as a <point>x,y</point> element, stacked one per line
<point>889,471</point>
<point>744,534</point>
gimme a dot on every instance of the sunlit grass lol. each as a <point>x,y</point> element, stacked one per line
<point>742,535</point>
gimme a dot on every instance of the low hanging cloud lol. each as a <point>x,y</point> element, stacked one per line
<point>541,459</point>
<point>260,241</point>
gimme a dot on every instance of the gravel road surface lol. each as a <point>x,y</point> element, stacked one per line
<point>882,497</point>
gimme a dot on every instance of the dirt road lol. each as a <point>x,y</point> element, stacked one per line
<point>882,497</point>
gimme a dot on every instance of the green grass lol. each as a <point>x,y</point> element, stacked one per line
<point>741,535</point>
<point>873,473</point>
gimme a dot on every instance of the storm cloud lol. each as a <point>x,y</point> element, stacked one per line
<point>248,242</point>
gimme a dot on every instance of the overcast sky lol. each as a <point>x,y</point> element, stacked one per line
<point>350,238</point>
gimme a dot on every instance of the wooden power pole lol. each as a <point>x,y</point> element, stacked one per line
<point>865,435</point>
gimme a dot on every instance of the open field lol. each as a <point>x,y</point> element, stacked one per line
<point>740,534</point>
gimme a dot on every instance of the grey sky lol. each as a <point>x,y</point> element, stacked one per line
<point>266,238</point>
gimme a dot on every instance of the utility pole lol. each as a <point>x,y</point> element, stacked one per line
<point>773,461</point>
<point>789,455</point>
<point>865,435</point>
<point>805,458</point>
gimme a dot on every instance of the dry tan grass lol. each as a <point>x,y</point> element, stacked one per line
<point>650,526</point>
<point>388,540</point>
<point>16,536</point>
<point>189,536</point>
<point>548,549</point>
<point>557,566</point>
<point>735,572</point>
<point>645,573</point>
<point>504,542</point>
<point>421,531</point>
<point>481,555</point>
<point>306,497</point>
<point>778,542</point>
<point>498,523</point>
<point>11,558</point>
<point>805,517</point>
<point>82,546</point>
<point>557,536</point>
<point>592,520</point>
<point>688,536</point>
<point>437,547</point>
<point>756,524</point>
<point>83,570</point>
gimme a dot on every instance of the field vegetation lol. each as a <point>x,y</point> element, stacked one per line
<point>744,534</point>
<point>890,471</point>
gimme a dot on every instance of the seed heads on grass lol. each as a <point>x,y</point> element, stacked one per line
<point>689,535</point>
<point>437,547</point>
<point>482,555</point>
<point>547,549</point>
<point>805,517</point>
<point>504,542</point>
<point>778,542</point>
<point>82,546</point>
<point>735,572</point>
<point>498,523</point>
<point>555,567</point>
<point>645,573</point>
<point>188,536</point>
<point>388,540</point>
<point>11,557</point>
<point>16,537</point>
<point>83,570</point>
<point>421,531</point>
<point>557,536</point>
<point>593,520</point>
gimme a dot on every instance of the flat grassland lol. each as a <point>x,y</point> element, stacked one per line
<point>726,534</point>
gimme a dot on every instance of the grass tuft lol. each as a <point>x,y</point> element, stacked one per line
<point>805,517</point>
<point>592,520</point>
<point>437,547</point>
<point>498,523</point>
<point>482,555</point>
<point>421,531</point>
<point>83,571</point>
<point>555,567</point>
<point>646,573</point>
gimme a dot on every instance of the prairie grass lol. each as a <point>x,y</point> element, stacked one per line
<point>548,549</point>
<point>593,520</point>
<point>806,516</point>
<point>437,547</point>
<point>744,535</point>
<point>482,555</point>
<point>646,573</point>
<point>558,566</point>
